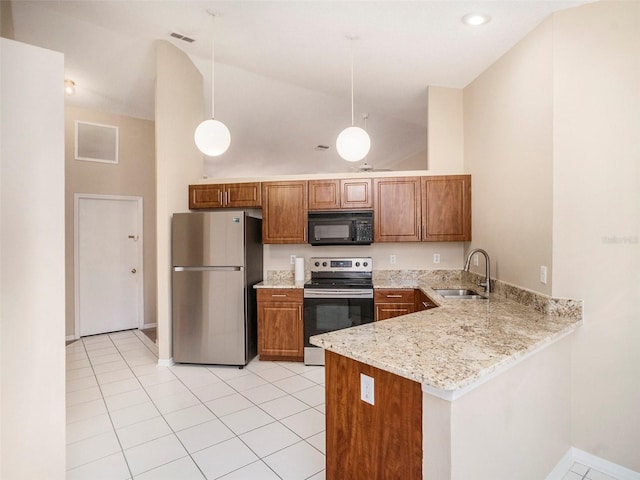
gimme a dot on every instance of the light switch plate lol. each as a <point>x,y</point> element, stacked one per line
<point>367,389</point>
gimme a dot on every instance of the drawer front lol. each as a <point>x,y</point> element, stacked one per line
<point>393,295</point>
<point>280,294</point>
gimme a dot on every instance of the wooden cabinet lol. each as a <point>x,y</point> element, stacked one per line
<point>284,212</point>
<point>372,442</point>
<point>280,327</point>
<point>423,302</point>
<point>397,209</point>
<point>231,195</point>
<point>340,194</point>
<point>446,208</point>
<point>389,303</point>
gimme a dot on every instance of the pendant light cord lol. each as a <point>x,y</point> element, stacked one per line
<point>213,47</point>
<point>352,116</point>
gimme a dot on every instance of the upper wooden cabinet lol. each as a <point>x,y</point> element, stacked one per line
<point>284,212</point>
<point>231,195</point>
<point>336,194</point>
<point>446,208</point>
<point>397,209</point>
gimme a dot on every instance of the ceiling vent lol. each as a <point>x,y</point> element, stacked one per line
<point>321,148</point>
<point>179,36</point>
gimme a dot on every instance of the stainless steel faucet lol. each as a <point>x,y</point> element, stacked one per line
<point>487,280</point>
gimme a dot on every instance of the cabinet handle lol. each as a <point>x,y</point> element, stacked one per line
<point>426,304</point>
<point>278,295</point>
<point>394,296</point>
<point>227,198</point>
<point>220,197</point>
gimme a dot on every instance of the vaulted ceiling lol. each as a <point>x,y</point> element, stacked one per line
<point>281,49</point>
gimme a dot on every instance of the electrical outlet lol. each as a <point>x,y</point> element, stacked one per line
<point>292,259</point>
<point>367,389</point>
<point>436,258</point>
<point>543,274</point>
<point>392,259</point>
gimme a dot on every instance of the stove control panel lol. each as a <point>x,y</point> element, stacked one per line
<point>341,264</point>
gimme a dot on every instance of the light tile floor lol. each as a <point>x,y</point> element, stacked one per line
<point>127,418</point>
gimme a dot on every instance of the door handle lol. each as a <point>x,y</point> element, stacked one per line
<point>133,270</point>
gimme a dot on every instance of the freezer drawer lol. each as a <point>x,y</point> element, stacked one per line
<point>209,316</point>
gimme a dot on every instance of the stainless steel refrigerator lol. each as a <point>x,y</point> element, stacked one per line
<point>217,258</point>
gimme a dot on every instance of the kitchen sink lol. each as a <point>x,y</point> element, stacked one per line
<point>460,294</point>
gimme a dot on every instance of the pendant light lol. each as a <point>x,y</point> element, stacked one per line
<point>353,143</point>
<point>212,137</point>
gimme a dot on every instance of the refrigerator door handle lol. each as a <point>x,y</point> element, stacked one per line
<point>207,269</point>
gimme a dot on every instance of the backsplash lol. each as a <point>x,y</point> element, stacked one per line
<point>403,278</point>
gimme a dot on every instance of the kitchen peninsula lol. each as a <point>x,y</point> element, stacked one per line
<point>465,390</point>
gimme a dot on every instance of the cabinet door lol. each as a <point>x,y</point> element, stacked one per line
<point>324,194</point>
<point>356,193</point>
<point>391,303</point>
<point>206,196</point>
<point>284,212</point>
<point>280,327</point>
<point>446,208</point>
<point>240,195</point>
<point>397,209</point>
<point>423,302</point>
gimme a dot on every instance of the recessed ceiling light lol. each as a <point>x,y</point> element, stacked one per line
<point>69,86</point>
<point>476,19</point>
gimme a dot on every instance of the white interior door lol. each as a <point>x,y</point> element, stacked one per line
<point>109,287</point>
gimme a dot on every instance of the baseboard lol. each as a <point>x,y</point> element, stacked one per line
<point>592,461</point>
<point>165,362</point>
<point>563,466</point>
<point>70,338</point>
<point>605,466</point>
<point>149,325</point>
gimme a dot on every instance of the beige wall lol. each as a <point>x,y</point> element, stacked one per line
<point>508,134</point>
<point>551,139</point>
<point>32,354</point>
<point>179,107</point>
<point>409,256</point>
<point>596,246</point>
<point>445,131</point>
<point>134,175</point>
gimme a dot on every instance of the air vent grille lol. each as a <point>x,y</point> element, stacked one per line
<point>179,36</point>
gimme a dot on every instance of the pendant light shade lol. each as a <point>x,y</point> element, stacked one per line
<point>212,137</point>
<point>353,143</point>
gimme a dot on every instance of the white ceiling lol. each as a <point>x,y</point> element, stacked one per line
<point>404,46</point>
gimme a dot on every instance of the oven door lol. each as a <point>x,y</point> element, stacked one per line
<point>326,310</point>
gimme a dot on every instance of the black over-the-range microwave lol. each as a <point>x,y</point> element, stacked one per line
<point>341,228</point>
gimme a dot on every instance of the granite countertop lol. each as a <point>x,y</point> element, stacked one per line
<point>278,283</point>
<point>453,347</point>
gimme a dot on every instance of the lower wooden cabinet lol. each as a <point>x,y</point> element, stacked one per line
<point>280,327</point>
<point>394,302</point>
<point>382,441</point>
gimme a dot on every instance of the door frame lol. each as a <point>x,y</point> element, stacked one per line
<point>77,197</point>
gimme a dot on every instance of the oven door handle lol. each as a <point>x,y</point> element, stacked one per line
<point>334,293</point>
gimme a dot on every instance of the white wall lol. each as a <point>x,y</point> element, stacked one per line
<point>596,224</point>
<point>508,133</point>
<point>552,143</point>
<point>178,163</point>
<point>32,306</point>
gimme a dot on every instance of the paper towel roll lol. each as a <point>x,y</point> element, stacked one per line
<point>299,276</point>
